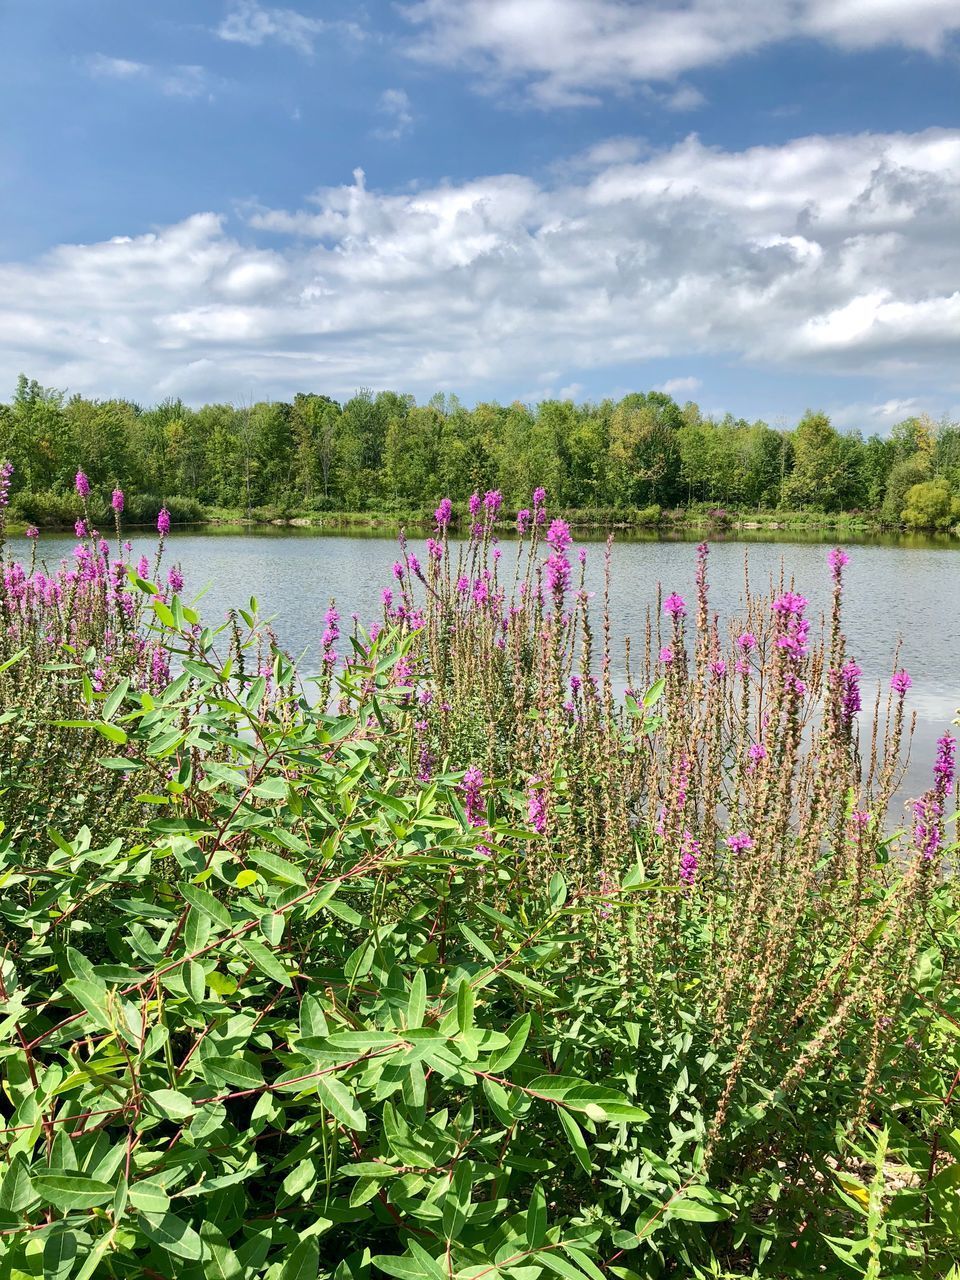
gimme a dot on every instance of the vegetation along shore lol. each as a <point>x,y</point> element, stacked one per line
<point>440,960</point>
<point>642,462</point>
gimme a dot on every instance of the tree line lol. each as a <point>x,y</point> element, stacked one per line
<point>385,452</point>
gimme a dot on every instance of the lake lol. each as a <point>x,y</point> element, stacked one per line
<point>898,592</point>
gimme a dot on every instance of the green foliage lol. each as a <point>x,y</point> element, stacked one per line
<point>931,505</point>
<point>303,1021</point>
<point>385,453</point>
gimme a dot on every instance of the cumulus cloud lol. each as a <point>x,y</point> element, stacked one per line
<point>251,23</point>
<point>569,51</point>
<point>681,388</point>
<point>180,81</point>
<point>397,111</point>
<point>824,254</point>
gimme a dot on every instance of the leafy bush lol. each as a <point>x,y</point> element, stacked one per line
<point>931,505</point>
<point>482,974</point>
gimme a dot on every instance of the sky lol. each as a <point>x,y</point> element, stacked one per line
<point>755,206</point>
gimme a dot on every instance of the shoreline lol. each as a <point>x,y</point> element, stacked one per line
<point>649,521</point>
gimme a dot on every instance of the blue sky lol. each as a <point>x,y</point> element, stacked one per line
<point>755,206</point>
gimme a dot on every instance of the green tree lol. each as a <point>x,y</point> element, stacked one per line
<point>931,505</point>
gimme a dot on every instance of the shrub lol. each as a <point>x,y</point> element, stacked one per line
<point>482,973</point>
<point>931,505</point>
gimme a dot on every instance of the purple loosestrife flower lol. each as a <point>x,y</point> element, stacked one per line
<point>116,501</point>
<point>666,655</point>
<point>175,578</point>
<point>386,598</point>
<point>492,501</point>
<point>32,531</point>
<point>757,752</point>
<point>836,559</point>
<point>558,573</point>
<point>742,667</point>
<point>523,519</point>
<point>475,504</point>
<point>559,535</point>
<point>719,668</point>
<point>398,570</point>
<point>740,842</point>
<point>434,549</point>
<point>80,529</point>
<point>6,471</point>
<point>793,626</point>
<point>425,757</point>
<point>859,819</point>
<point>675,606</point>
<point>945,765</point>
<point>472,787</point>
<point>83,485</point>
<point>539,496</point>
<point>900,682</point>
<point>143,567</point>
<point>791,603</point>
<point>443,513</point>
<point>163,522</point>
<point>747,642</point>
<point>689,859</point>
<point>849,691</point>
<point>536,806</point>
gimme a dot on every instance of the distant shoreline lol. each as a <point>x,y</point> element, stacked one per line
<point>648,520</point>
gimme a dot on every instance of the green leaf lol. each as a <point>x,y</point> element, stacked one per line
<point>654,693</point>
<point>557,1263</point>
<point>174,1235</point>
<point>67,1189</point>
<point>170,1102</point>
<point>465,1002</point>
<point>150,1196</point>
<point>266,962</point>
<point>234,1070</point>
<point>59,1253</point>
<point>456,1203</point>
<point>165,615</point>
<point>278,868</point>
<point>557,890</point>
<point>518,1032</point>
<point>537,1218</point>
<point>341,1103</point>
<point>575,1137</point>
<point>207,903</point>
<point>403,1267</point>
<point>417,1003</point>
<point>16,1189</point>
<point>303,1263</point>
<point>112,732</point>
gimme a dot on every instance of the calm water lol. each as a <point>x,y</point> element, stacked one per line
<point>906,594</point>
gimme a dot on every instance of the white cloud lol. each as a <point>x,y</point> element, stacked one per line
<point>570,51</point>
<point>395,106</point>
<point>684,98</point>
<point>251,23</point>
<point>115,68</point>
<point>181,81</point>
<point>825,254</point>
<point>678,387</point>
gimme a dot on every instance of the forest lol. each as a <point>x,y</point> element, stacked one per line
<point>384,452</point>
